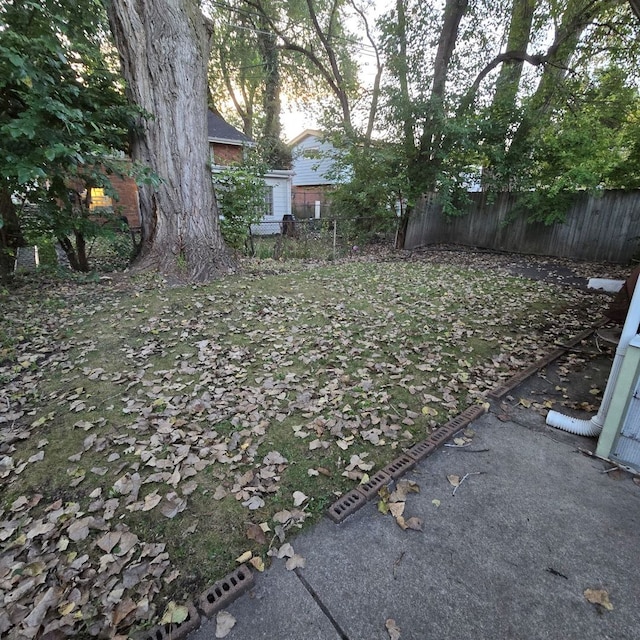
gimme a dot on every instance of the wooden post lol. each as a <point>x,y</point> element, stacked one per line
<point>335,227</point>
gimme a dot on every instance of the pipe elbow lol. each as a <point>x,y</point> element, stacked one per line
<point>576,426</point>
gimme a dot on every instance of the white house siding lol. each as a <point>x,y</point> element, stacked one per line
<point>280,182</point>
<point>312,170</point>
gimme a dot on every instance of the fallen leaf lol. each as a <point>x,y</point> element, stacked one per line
<point>257,563</point>
<point>109,541</point>
<point>253,503</point>
<point>454,480</point>
<point>392,629</point>
<point>79,529</point>
<point>294,562</point>
<point>413,523</point>
<point>396,509</point>
<point>286,550</point>
<point>255,532</point>
<point>224,623</point>
<point>599,597</point>
<point>151,501</point>
<point>244,557</point>
<point>174,614</point>
<point>299,498</point>
<point>435,502</point>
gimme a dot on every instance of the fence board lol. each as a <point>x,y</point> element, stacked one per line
<point>603,228</point>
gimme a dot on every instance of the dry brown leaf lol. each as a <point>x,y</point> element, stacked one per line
<point>255,532</point>
<point>396,509</point>
<point>454,480</point>
<point>257,563</point>
<point>392,629</point>
<point>286,550</point>
<point>122,610</point>
<point>224,623</point>
<point>294,562</point>
<point>413,523</point>
<point>299,498</point>
<point>174,614</point>
<point>108,541</point>
<point>245,557</point>
<point>79,529</point>
<point>599,597</point>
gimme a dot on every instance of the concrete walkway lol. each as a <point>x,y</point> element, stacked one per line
<point>509,556</point>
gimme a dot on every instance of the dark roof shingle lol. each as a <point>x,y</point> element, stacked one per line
<point>220,129</point>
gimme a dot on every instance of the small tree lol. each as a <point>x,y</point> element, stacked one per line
<point>240,192</point>
<point>62,116</point>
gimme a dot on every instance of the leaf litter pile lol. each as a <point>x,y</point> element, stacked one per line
<point>153,437</point>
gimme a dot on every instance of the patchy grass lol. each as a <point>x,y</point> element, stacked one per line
<point>174,419</point>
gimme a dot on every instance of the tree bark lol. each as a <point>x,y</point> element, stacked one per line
<point>164,48</point>
<point>10,233</point>
<point>276,154</point>
<point>423,170</point>
<point>576,18</point>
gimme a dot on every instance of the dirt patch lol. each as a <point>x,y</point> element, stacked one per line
<point>562,271</point>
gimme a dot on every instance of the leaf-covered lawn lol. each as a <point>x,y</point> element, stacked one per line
<point>150,436</point>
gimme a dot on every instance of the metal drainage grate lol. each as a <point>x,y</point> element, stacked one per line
<point>400,466</point>
<point>346,505</point>
<point>226,590</point>
<point>421,450</point>
<point>172,631</point>
<point>370,488</point>
<point>473,412</point>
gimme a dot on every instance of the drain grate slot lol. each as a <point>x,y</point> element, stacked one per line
<point>225,591</point>
<point>400,466</point>
<point>370,488</point>
<point>422,449</point>
<point>346,505</point>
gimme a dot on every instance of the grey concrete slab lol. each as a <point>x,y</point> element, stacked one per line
<point>278,606</point>
<point>484,565</point>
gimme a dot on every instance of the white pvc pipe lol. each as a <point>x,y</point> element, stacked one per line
<point>594,426</point>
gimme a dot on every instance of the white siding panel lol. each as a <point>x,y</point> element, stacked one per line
<point>312,170</point>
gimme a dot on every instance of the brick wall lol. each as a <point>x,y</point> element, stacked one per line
<point>303,200</point>
<point>225,154</point>
<point>127,202</point>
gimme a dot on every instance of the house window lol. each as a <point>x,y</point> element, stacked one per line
<point>312,153</point>
<point>98,199</point>
<point>268,200</point>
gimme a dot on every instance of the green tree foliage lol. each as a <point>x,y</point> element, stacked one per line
<point>517,89</point>
<point>62,116</point>
<point>591,143</point>
<point>375,190</point>
<point>240,191</point>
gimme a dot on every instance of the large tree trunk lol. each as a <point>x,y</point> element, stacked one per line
<point>164,48</point>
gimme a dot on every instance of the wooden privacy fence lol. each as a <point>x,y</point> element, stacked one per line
<point>603,228</point>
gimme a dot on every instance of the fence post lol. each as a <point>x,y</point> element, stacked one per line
<point>335,226</point>
<point>316,211</point>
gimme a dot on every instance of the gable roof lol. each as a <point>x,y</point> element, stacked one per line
<point>307,133</point>
<point>219,130</point>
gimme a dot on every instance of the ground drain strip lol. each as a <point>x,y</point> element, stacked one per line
<point>351,501</point>
<point>323,607</point>
<point>500,391</point>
